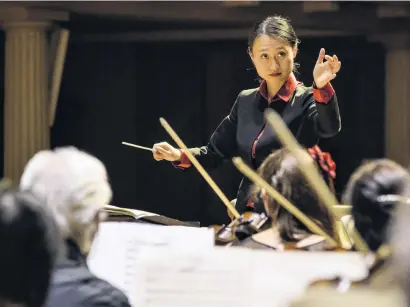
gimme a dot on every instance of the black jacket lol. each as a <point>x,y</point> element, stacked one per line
<point>307,119</point>
<point>73,285</point>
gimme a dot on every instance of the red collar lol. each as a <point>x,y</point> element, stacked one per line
<point>284,93</point>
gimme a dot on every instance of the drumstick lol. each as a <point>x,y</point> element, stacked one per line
<point>137,146</point>
<point>199,167</point>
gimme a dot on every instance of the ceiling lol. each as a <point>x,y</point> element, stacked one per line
<point>355,18</point>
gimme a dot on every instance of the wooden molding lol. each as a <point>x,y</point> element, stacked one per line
<point>240,3</point>
<point>320,6</point>
<point>393,40</point>
<point>188,35</point>
<point>355,18</point>
<point>393,10</point>
<point>19,14</point>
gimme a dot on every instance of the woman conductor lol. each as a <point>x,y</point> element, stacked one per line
<point>310,113</point>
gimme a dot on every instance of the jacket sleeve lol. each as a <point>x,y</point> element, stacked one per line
<point>222,144</point>
<point>323,111</point>
<point>103,294</point>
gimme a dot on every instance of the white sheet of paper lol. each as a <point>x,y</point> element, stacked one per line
<point>357,296</point>
<point>115,250</point>
<point>234,276</point>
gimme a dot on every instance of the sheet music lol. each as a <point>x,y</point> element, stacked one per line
<point>135,212</point>
<point>115,250</point>
<point>234,277</point>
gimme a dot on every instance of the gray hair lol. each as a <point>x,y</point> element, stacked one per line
<point>71,183</point>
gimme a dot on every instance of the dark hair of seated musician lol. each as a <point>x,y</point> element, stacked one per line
<point>370,191</point>
<point>398,238</point>
<point>29,243</point>
<point>375,191</point>
<point>280,169</point>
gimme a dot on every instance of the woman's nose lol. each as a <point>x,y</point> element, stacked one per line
<point>274,65</point>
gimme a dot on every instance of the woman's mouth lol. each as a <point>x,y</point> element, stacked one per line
<point>277,74</point>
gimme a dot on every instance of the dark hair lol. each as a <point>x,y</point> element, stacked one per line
<point>276,27</point>
<point>371,215</point>
<point>280,169</point>
<point>29,243</point>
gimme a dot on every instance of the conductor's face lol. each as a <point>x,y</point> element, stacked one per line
<point>273,59</point>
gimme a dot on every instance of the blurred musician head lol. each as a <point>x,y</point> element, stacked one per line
<point>373,191</point>
<point>280,169</point>
<point>29,245</point>
<point>74,187</point>
<point>400,243</point>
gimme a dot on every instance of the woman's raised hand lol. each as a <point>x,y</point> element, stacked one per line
<point>324,72</point>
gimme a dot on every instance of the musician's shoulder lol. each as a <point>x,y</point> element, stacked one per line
<point>105,294</point>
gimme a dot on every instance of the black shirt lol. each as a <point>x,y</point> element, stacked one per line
<point>309,113</point>
<point>73,285</point>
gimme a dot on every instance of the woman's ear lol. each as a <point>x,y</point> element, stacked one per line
<point>264,198</point>
<point>250,53</point>
<point>295,52</point>
<point>263,194</point>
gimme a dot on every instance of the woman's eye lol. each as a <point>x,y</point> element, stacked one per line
<point>264,56</point>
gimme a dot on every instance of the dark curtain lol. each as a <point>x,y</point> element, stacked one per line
<point>2,67</point>
<point>117,92</point>
<point>360,89</point>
